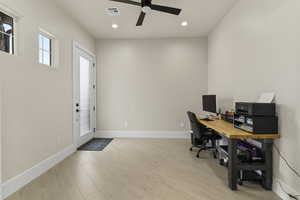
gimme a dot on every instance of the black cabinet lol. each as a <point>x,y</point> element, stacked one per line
<point>256,118</point>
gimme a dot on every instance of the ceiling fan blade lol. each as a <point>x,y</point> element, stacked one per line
<point>128,2</point>
<point>141,19</point>
<point>166,9</point>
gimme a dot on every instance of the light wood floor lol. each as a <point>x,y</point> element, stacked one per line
<point>139,169</point>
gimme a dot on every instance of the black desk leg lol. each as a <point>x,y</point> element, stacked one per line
<point>268,154</point>
<point>232,167</point>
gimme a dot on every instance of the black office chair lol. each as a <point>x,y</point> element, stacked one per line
<point>200,136</point>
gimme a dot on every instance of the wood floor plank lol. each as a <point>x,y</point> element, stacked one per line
<point>139,169</point>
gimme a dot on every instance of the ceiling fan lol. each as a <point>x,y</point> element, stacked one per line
<point>147,6</point>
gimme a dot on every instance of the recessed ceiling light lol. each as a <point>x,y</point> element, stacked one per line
<point>184,23</point>
<point>115,26</point>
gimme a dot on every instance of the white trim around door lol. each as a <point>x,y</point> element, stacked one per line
<point>79,52</point>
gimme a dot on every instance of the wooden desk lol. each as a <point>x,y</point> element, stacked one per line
<point>227,129</point>
<point>233,135</point>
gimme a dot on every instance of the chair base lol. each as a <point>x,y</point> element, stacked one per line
<point>205,148</point>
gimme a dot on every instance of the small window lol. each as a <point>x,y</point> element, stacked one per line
<point>45,49</point>
<point>6,33</point>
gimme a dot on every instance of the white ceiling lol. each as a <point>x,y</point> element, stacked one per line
<point>202,16</point>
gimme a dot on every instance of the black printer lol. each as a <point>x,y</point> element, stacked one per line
<point>256,118</point>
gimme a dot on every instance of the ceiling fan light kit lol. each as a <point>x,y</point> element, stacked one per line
<point>147,7</point>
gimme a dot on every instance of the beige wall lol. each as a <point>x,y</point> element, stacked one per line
<point>255,49</point>
<point>150,84</point>
<point>0,136</point>
<point>37,101</point>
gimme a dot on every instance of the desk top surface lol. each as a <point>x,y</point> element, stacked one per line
<point>227,129</point>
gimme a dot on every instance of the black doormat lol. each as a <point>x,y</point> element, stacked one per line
<point>95,144</point>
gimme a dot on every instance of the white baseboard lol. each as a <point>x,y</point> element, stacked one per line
<point>143,134</point>
<point>14,184</point>
<point>279,191</point>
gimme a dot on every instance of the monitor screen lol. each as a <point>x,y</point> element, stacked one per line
<point>209,103</point>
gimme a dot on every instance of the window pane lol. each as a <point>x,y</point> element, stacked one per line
<point>45,50</point>
<point>7,28</point>
<point>85,80</point>
<point>5,19</point>
<point>6,33</point>
<point>46,44</point>
<point>41,56</point>
<point>46,58</point>
<point>5,43</point>
<point>40,42</point>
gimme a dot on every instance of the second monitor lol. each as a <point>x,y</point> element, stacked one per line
<point>209,103</point>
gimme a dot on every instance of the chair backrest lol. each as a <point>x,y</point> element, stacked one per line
<point>197,128</point>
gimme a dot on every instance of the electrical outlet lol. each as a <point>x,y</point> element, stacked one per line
<point>182,124</point>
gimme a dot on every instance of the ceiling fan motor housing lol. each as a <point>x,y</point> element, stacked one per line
<point>146,6</point>
<point>146,3</point>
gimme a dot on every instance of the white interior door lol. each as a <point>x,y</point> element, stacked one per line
<point>84,105</point>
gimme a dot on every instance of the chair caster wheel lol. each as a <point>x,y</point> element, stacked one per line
<point>191,149</point>
<point>221,162</point>
<point>215,155</point>
<point>240,182</point>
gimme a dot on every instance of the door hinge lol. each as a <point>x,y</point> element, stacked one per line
<point>94,130</point>
<point>94,64</point>
<point>94,86</point>
<point>94,108</point>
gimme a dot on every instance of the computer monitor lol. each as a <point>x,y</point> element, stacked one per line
<point>209,103</point>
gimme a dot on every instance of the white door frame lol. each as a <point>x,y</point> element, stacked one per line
<point>77,46</point>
